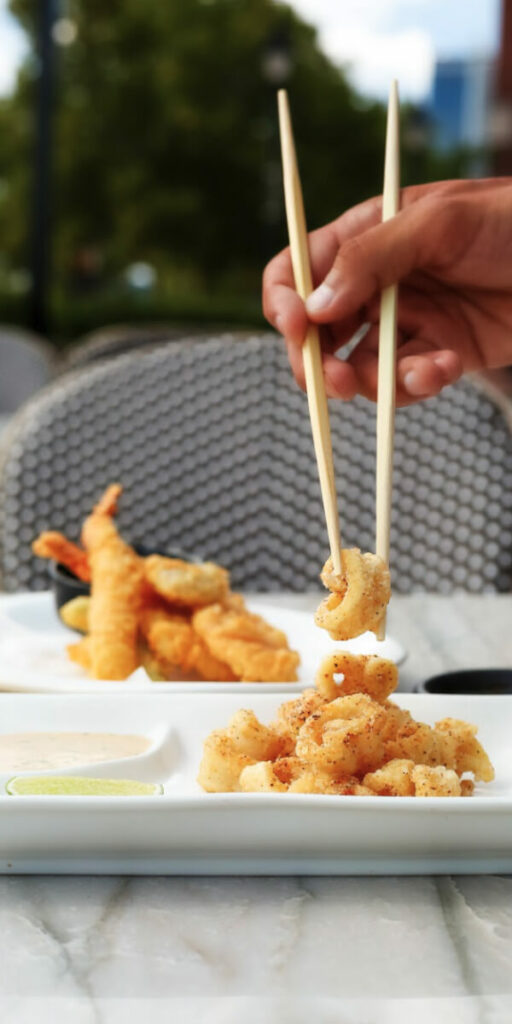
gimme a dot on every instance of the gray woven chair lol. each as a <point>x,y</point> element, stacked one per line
<point>120,339</point>
<point>27,363</point>
<point>212,442</point>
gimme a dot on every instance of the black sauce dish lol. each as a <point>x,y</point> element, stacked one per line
<point>65,585</point>
<point>470,682</point>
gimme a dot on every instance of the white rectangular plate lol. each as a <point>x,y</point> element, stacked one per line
<point>33,655</point>
<point>187,831</point>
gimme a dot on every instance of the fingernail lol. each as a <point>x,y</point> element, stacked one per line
<point>412,383</point>
<point>279,324</point>
<point>320,298</point>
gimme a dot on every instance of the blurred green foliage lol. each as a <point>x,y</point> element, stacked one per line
<point>165,150</point>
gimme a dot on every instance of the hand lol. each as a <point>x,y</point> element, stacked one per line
<point>449,249</point>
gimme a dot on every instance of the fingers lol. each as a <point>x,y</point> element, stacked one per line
<point>282,307</point>
<point>422,371</point>
<point>340,377</point>
<point>429,235</point>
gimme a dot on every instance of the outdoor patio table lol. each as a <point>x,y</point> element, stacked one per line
<point>106,950</point>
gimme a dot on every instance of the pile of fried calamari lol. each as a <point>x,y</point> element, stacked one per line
<point>176,619</point>
<point>345,737</point>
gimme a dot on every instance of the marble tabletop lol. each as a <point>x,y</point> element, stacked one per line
<point>110,950</point>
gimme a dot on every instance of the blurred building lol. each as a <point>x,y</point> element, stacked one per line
<point>460,102</point>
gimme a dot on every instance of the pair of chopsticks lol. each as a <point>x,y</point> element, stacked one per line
<point>312,357</point>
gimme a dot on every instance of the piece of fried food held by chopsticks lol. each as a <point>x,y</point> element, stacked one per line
<point>255,651</point>
<point>358,598</point>
<point>117,579</point>
<point>54,545</point>
<point>190,584</point>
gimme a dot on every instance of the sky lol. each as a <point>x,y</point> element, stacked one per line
<point>375,39</point>
<point>382,39</point>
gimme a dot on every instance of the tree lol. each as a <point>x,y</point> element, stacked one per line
<point>166,144</point>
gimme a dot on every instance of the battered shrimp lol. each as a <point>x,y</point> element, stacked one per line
<point>116,592</point>
<point>173,640</point>
<point>56,546</point>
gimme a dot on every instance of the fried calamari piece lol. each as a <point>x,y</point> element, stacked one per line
<point>116,592</point>
<point>293,713</point>
<point>228,751</point>
<point>362,673</point>
<point>393,779</point>
<point>254,650</point>
<point>359,597</point>
<point>249,735</point>
<point>344,736</point>
<point>438,781</point>
<point>187,583</point>
<point>462,751</point>
<point>261,778</point>
<point>56,546</point>
<point>75,613</point>
<point>322,782</point>
<point>405,778</point>
<point>221,764</point>
<point>174,642</point>
<point>451,743</point>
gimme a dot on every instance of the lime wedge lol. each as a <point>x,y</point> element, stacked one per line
<point>76,785</point>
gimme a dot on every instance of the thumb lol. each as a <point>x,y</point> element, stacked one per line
<point>374,259</point>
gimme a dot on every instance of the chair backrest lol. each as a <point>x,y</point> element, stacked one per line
<point>120,339</point>
<point>26,365</point>
<point>212,442</point>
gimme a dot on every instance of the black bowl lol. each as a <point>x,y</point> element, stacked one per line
<point>470,681</point>
<point>66,585</point>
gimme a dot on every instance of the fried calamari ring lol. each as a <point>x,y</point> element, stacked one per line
<point>56,546</point>
<point>186,583</point>
<point>393,779</point>
<point>359,597</point>
<point>438,781</point>
<point>255,651</point>
<point>293,713</point>
<point>362,673</point>
<point>451,743</point>
<point>344,736</point>
<point>228,751</point>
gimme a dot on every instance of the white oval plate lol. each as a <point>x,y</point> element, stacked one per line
<point>33,654</point>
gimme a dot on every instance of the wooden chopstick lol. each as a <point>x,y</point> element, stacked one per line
<point>311,352</point>
<point>386,387</point>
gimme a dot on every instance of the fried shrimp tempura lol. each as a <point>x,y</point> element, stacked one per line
<point>54,545</point>
<point>174,642</point>
<point>116,590</point>
<point>357,744</point>
<point>187,583</point>
<point>365,673</point>
<point>80,653</point>
<point>359,597</point>
<point>255,651</point>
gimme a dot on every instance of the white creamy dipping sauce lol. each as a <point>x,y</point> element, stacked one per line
<point>37,751</point>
